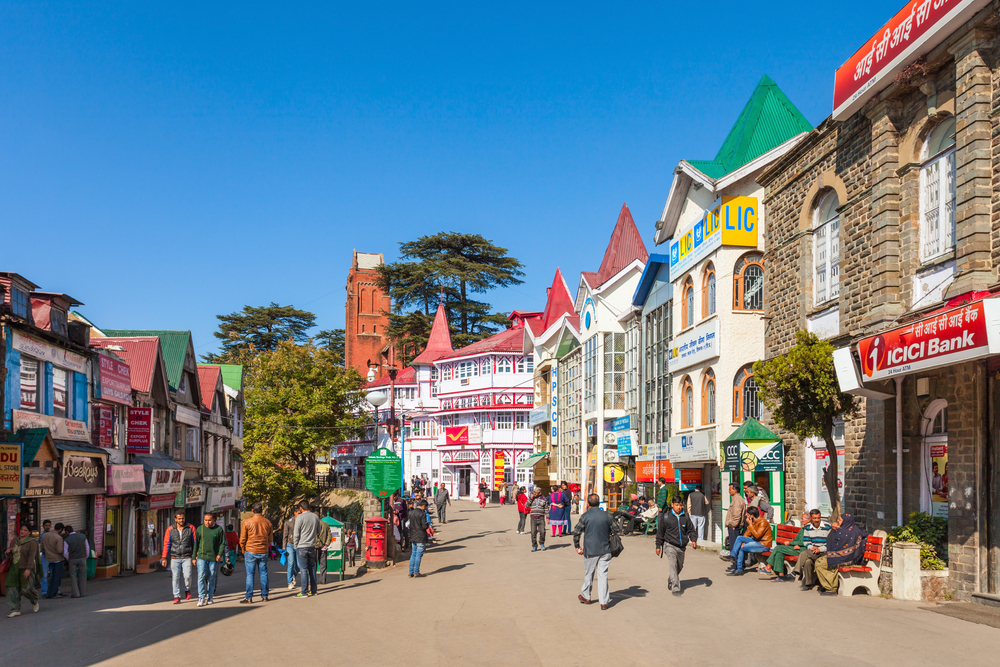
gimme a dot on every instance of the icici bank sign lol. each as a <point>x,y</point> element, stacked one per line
<point>967,332</point>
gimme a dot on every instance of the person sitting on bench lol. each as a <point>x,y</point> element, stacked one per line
<point>776,561</point>
<point>632,516</point>
<point>814,538</point>
<point>756,539</point>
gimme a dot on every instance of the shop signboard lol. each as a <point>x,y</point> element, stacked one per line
<point>383,473</point>
<point>103,426</point>
<point>942,339</point>
<point>158,502</point>
<point>538,416</point>
<point>59,428</point>
<point>697,446</point>
<point>456,435</point>
<point>140,421</point>
<point>115,383</point>
<point>100,515</point>
<point>125,479</point>
<point>554,407</point>
<point>181,497</point>
<point>498,465</point>
<point>690,478</point>
<point>916,29</point>
<point>220,497</point>
<point>82,475</point>
<point>628,443</point>
<point>345,450</point>
<point>753,456</point>
<point>11,469</point>
<point>729,221</point>
<point>165,480</point>
<point>45,352</point>
<point>39,484</point>
<point>187,416</point>
<point>194,494</point>
<point>613,473</point>
<point>694,346</point>
<point>649,470</point>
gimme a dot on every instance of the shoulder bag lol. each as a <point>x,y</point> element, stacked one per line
<point>616,542</point>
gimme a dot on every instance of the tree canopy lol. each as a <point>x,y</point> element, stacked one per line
<point>333,340</point>
<point>800,389</point>
<point>260,329</point>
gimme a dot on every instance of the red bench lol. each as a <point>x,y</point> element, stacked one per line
<point>853,577</point>
<point>785,536</point>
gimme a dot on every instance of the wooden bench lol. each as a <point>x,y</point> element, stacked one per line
<point>786,533</point>
<point>853,577</point>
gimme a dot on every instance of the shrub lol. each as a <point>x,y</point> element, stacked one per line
<point>931,533</point>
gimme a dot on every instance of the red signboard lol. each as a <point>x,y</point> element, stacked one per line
<point>347,450</point>
<point>650,471</point>
<point>939,340</point>
<point>456,435</point>
<point>100,515</point>
<point>102,427</point>
<point>116,382</point>
<point>162,502</point>
<point>140,422</point>
<point>498,462</point>
<point>917,28</point>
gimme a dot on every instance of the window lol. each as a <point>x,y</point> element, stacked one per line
<point>745,400</point>
<point>526,365</point>
<point>418,460</point>
<point>614,371</point>
<point>29,384</point>
<point>504,421</point>
<point>57,321</point>
<point>748,283</point>
<point>531,363</point>
<point>362,328</point>
<point>708,291</point>
<point>467,369</point>
<point>447,372</point>
<point>590,374</point>
<point>20,303</point>
<point>658,384</point>
<point>504,365</point>
<point>708,397</point>
<point>434,389</point>
<point>687,307</point>
<point>687,399</point>
<point>520,420</point>
<point>434,374</point>
<point>192,448</point>
<point>487,366</point>
<point>182,386</point>
<point>569,430</point>
<point>937,192</point>
<point>826,249</point>
<point>60,406</point>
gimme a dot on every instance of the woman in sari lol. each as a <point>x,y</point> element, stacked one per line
<point>556,519</point>
<point>25,570</point>
<point>845,545</point>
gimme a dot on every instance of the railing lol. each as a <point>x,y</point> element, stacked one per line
<point>332,482</point>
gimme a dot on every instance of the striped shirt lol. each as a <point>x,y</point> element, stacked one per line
<point>816,537</point>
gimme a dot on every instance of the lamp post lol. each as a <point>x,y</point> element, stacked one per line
<point>376,398</point>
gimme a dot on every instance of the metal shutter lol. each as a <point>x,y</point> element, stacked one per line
<point>67,510</point>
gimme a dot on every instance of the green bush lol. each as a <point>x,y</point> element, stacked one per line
<point>931,533</point>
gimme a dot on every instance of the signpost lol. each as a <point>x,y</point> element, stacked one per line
<point>382,473</point>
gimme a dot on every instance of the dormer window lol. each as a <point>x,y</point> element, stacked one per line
<point>19,302</point>
<point>57,321</point>
<point>182,385</point>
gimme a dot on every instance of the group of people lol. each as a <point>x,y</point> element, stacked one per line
<point>555,507</point>
<point>411,521</point>
<point>36,565</point>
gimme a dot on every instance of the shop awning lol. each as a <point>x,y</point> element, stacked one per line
<point>151,462</point>
<point>752,430</point>
<point>532,460</point>
<point>73,446</point>
<point>32,439</point>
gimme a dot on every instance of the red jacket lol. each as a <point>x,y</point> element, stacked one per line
<point>522,503</point>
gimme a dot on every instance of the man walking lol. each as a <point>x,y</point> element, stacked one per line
<point>443,501</point>
<point>697,507</point>
<point>566,498</point>
<point>538,507</point>
<point>418,537</point>
<point>78,548</point>
<point>596,526</point>
<point>662,499</point>
<point>52,547</point>
<point>209,549</point>
<point>734,518</point>
<point>178,546</point>
<point>323,539</point>
<point>304,539</point>
<point>255,539</point>
<point>674,531</point>
<point>288,544</point>
<point>44,583</point>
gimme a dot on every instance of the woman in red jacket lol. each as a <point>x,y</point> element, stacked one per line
<point>522,510</point>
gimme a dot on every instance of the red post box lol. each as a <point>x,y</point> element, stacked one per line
<point>375,542</point>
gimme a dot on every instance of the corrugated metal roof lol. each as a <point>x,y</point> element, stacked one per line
<point>208,379</point>
<point>139,352</point>
<point>439,341</point>
<point>625,247</point>
<point>558,303</point>
<point>232,376</point>
<point>173,346</point>
<point>407,376</point>
<point>32,438</point>
<point>511,340</point>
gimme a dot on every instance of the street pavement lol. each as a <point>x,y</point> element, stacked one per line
<point>487,600</point>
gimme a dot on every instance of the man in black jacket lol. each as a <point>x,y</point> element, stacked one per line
<point>674,531</point>
<point>418,537</point>
<point>596,526</point>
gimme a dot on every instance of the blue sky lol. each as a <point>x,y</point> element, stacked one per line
<point>167,162</point>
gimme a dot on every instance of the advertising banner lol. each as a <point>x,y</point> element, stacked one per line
<point>61,429</point>
<point>939,480</point>
<point>115,380</point>
<point>456,435</point>
<point>45,352</point>
<point>697,446</point>
<point>694,346</point>
<point>753,456</point>
<point>538,416</point>
<point>498,461</point>
<point>819,477</point>
<point>166,480</point>
<point>11,469</point>
<point>648,470</point>
<point>100,516</point>
<point>220,497</point>
<point>140,421</point>
<point>730,221</point>
<point>124,479</point>
<point>690,479</point>
<point>628,443</point>
<point>103,426</point>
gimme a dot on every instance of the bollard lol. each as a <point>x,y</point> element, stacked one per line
<point>906,571</point>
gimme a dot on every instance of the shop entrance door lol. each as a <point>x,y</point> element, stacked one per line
<point>464,481</point>
<point>992,513</point>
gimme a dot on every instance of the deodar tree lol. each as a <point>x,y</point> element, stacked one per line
<point>800,389</point>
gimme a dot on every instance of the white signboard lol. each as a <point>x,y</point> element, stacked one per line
<point>697,446</point>
<point>220,497</point>
<point>61,429</point>
<point>45,352</point>
<point>694,346</point>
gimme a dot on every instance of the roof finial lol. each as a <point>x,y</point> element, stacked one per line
<point>442,295</point>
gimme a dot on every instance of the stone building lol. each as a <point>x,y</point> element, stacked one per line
<point>883,236</point>
<point>365,320</point>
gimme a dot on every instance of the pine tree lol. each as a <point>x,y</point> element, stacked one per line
<point>259,329</point>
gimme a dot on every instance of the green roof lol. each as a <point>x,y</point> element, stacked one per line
<point>32,439</point>
<point>768,120</point>
<point>532,460</point>
<point>173,344</point>
<point>752,430</point>
<point>232,376</point>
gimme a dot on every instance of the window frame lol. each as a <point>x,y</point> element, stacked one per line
<point>687,403</point>
<point>39,366</point>
<point>709,296</point>
<point>743,376</point>
<point>752,259</point>
<point>826,233</point>
<point>709,398</point>
<point>687,303</point>
<point>942,157</point>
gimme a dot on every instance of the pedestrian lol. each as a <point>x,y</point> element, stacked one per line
<point>401,514</point>
<point>556,512</point>
<point>351,544</point>
<point>323,539</point>
<point>256,534</point>
<point>209,549</point>
<point>443,501</point>
<point>232,542</point>
<point>567,503</point>
<point>482,495</point>
<point>503,494</point>
<point>178,546</point>
<point>53,546</point>
<point>25,570</point>
<point>420,531</point>
<point>538,507</point>
<point>288,544</point>
<point>697,508</point>
<point>734,519</point>
<point>596,527</point>
<point>77,549</point>
<point>304,539</point>
<point>674,531</point>
<point>522,510</point>
<point>662,497</point>
<point>46,527</point>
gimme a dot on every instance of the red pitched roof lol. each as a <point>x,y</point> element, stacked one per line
<point>511,340</point>
<point>208,380</point>
<point>625,247</point>
<point>558,303</point>
<point>139,353</point>
<point>439,342</point>
<point>407,376</point>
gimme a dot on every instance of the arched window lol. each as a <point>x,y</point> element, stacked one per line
<point>937,192</point>
<point>687,314</point>
<point>934,487</point>
<point>708,291</point>
<point>687,403</point>
<point>708,397</point>
<point>748,283</point>
<point>826,249</point>
<point>745,400</point>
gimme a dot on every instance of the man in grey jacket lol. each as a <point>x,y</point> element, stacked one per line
<point>304,538</point>
<point>78,549</point>
<point>596,526</point>
<point>443,501</point>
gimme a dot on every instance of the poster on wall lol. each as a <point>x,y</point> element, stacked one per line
<point>939,481</point>
<point>819,478</point>
<point>690,478</point>
<point>100,514</point>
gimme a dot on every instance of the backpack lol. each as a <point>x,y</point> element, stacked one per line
<point>615,540</point>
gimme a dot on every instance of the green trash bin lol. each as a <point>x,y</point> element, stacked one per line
<point>335,554</point>
<point>91,567</point>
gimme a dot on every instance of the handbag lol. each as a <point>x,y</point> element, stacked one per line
<point>616,543</point>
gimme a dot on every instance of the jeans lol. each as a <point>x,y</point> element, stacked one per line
<point>731,535</point>
<point>45,569</point>
<point>178,567</point>
<point>699,526</point>
<point>743,546</point>
<point>416,554</point>
<point>293,564</point>
<point>598,565</point>
<point>253,562</point>
<point>55,576</point>
<point>522,517</point>
<point>307,569</point>
<point>78,576</point>
<point>207,570</point>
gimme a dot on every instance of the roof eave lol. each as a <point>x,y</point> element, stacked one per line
<point>760,162</point>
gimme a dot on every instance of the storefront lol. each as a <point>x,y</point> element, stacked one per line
<point>755,454</point>
<point>116,553</point>
<point>164,480</point>
<point>194,503</point>
<point>82,478</point>
<point>695,457</point>
<point>222,501</point>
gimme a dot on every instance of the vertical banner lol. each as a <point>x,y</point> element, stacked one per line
<point>497,470</point>
<point>100,516</point>
<point>102,426</point>
<point>140,421</point>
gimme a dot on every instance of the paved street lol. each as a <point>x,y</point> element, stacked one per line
<point>489,601</point>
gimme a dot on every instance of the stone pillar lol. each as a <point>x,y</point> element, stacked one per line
<point>906,571</point>
<point>973,165</point>
<point>884,236</point>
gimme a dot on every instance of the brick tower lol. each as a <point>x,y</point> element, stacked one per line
<point>365,324</point>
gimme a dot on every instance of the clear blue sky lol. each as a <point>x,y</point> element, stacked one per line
<point>166,162</point>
